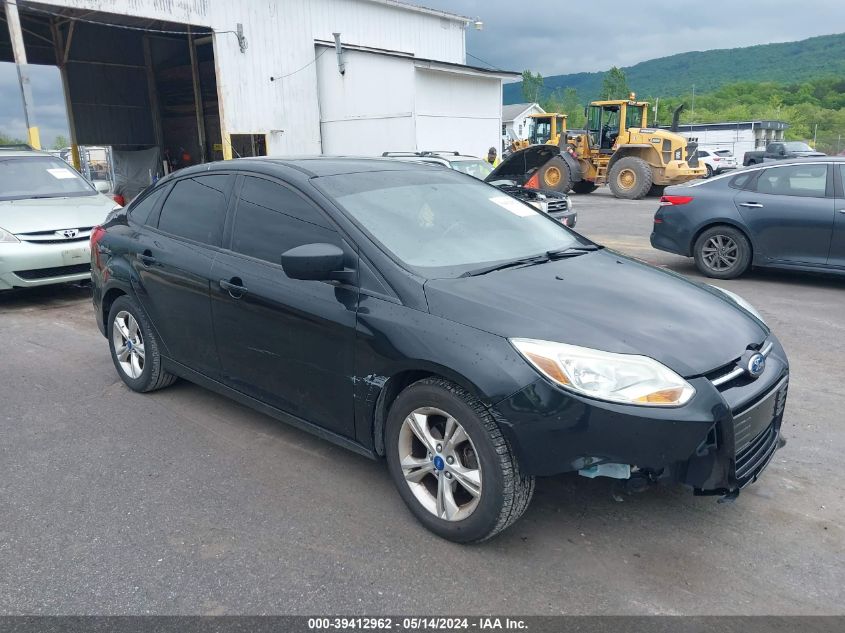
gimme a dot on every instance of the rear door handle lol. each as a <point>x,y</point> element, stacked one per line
<point>234,286</point>
<point>751,205</point>
<point>147,258</point>
<point>841,210</point>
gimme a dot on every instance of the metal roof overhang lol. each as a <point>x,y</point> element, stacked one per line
<point>427,64</point>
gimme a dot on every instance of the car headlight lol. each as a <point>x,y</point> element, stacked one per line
<point>624,378</point>
<point>7,238</point>
<point>742,303</point>
<point>541,203</point>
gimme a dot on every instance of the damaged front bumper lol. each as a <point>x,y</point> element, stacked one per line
<point>718,443</point>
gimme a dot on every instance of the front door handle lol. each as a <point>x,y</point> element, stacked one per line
<point>234,286</point>
<point>751,205</point>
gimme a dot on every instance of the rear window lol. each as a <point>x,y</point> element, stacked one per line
<point>195,209</point>
<point>744,181</point>
<point>23,177</point>
<point>723,152</point>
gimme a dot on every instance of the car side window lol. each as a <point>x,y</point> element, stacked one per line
<point>140,212</point>
<point>744,180</point>
<point>807,180</point>
<point>271,219</point>
<point>196,209</point>
<point>702,154</point>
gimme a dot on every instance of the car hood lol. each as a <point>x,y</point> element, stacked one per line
<point>53,214</point>
<point>604,300</point>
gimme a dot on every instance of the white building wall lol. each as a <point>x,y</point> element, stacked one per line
<point>457,112</point>
<point>369,109</point>
<point>281,36</point>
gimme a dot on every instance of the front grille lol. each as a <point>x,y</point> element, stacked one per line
<point>557,204</point>
<point>58,271</point>
<point>55,237</point>
<point>692,154</point>
<point>754,453</point>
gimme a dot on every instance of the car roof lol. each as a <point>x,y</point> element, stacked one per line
<point>310,166</point>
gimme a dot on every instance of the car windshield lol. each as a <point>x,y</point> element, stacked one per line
<point>797,146</point>
<point>443,224</point>
<point>477,168</point>
<point>40,177</point>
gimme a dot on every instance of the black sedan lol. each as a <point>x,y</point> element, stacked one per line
<point>784,215</point>
<point>408,312</point>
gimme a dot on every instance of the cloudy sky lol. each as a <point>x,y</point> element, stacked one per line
<point>558,37</point>
<point>550,36</point>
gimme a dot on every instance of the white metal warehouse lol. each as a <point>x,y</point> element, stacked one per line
<point>209,79</point>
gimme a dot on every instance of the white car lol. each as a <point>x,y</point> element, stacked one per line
<point>47,213</point>
<point>717,161</point>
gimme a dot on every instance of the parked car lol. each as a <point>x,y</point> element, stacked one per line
<point>784,215</point>
<point>780,150</point>
<point>47,212</point>
<point>556,204</point>
<point>717,161</point>
<point>405,311</point>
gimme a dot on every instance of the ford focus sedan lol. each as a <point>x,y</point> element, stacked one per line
<point>47,212</point>
<point>416,314</point>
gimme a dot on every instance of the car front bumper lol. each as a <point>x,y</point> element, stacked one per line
<point>716,444</point>
<point>29,264</point>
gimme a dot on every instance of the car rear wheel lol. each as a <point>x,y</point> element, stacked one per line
<point>451,464</point>
<point>135,348</point>
<point>722,252</point>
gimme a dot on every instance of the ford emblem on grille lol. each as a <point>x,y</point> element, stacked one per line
<point>68,233</point>
<point>755,365</point>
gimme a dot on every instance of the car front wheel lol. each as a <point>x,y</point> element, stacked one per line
<point>451,464</point>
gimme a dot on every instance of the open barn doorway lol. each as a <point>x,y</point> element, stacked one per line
<point>147,89</point>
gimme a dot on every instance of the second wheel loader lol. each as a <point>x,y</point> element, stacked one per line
<point>617,148</point>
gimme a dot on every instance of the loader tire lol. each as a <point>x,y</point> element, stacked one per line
<point>555,175</point>
<point>630,178</point>
<point>584,186</point>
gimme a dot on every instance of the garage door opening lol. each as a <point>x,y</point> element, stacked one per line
<point>145,88</point>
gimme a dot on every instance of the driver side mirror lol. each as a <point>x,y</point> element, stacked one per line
<point>316,262</point>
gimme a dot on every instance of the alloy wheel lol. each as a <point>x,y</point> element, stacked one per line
<point>720,253</point>
<point>440,463</point>
<point>128,344</point>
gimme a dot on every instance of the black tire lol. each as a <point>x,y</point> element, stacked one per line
<point>630,178</point>
<point>710,173</point>
<point>736,246</point>
<point>656,191</point>
<point>584,186</point>
<point>153,376</point>
<point>555,175</point>
<point>505,491</point>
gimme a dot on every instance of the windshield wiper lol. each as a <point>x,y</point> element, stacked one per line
<point>573,251</point>
<point>525,261</point>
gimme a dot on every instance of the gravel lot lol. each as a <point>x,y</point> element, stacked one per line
<point>184,502</point>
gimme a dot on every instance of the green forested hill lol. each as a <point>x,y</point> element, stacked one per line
<point>787,63</point>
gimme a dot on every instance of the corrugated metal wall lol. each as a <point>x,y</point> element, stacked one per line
<point>281,36</point>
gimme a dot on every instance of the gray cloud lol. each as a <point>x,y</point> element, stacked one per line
<point>50,112</point>
<point>556,37</point>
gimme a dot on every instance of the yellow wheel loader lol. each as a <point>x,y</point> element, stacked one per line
<point>617,148</point>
